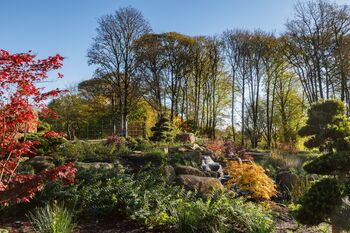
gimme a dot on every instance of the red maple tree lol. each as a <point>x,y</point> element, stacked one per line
<point>20,100</point>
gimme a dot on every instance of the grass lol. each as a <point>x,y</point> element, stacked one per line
<point>52,219</point>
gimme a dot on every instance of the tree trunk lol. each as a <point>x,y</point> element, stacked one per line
<point>233,105</point>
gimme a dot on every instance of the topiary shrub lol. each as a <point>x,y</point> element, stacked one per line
<point>319,202</point>
<point>329,130</point>
<point>327,126</point>
<point>162,131</point>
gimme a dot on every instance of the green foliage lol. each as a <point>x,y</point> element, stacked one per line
<point>329,129</point>
<point>279,161</point>
<point>156,156</point>
<point>84,151</point>
<point>329,164</point>
<point>162,131</point>
<point>320,202</point>
<point>299,189</point>
<point>221,213</point>
<point>52,219</point>
<point>182,159</point>
<point>139,144</point>
<point>43,127</point>
<point>328,126</point>
<point>149,199</point>
<point>47,145</point>
<point>77,114</point>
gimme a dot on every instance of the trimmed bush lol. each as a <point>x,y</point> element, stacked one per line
<point>162,131</point>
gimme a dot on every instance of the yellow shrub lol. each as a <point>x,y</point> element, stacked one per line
<point>252,178</point>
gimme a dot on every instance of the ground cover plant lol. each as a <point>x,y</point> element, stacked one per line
<point>150,200</point>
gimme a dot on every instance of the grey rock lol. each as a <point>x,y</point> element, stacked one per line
<point>95,165</point>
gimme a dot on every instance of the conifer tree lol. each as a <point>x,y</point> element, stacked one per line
<point>329,130</point>
<point>162,131</point>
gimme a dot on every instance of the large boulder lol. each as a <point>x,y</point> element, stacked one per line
<point>213,174</point>
<point>287,180</point>
<point>204,185</point>
<point>188,170</point>
<point>185,138</point>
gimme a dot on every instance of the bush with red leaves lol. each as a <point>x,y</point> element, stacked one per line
<point>231,150</point>
<point>20,99</point>
<point>116,140</point>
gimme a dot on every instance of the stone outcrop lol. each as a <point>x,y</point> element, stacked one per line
<point>188,170</point>
<point>204,185</point>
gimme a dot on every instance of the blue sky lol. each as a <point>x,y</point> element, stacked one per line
<point>67,27</point>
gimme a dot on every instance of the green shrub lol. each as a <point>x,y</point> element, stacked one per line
<point>52,219</point>
<point>162,131</point>
<point>329,163</point>
<point>156,157</point>
<point>143,144</point>
<point>150,200</point>
<point>328,126</point>
<point>299,189</point>
<point>84,151</point>
<point>319,202</point>
<point>221,213</point>
<point>328,129</point>
<point>131,143</point>
<point>182,159</point>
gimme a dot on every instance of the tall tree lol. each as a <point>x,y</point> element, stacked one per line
<point>151,63</point>
<point>317,48</point>
<point>113,53</point>
<point>233,51</point>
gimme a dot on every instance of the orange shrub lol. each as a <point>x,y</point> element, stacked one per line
<point>251,177</point>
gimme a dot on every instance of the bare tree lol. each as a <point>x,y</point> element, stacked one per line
<point>233,51</point>
<point>316,48</point>
<point>113,53</point>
